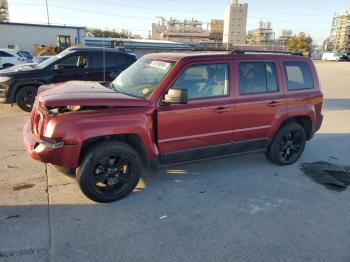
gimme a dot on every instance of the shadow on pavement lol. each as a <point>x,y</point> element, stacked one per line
<point>336,104</point>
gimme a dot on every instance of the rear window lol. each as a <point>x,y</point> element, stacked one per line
<point>25,54</point>
<point>298,76</point>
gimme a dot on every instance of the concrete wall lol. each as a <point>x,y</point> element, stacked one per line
<point>25,36</point>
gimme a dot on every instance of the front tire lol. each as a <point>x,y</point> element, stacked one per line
<point>288,145</point>
<point>109,171</point>
<point>5,66</point>
<point>25,97</point>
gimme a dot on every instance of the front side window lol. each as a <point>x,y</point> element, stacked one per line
<point>257,78</point>
<point>298,76</point>
<point>142,77</point>
<point>205,81</point>
<point>75,62</point>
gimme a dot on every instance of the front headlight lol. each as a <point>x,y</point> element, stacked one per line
<point>4,79</point>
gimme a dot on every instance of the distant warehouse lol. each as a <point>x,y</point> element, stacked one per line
<point>25,36</point>
<point>139,47</point>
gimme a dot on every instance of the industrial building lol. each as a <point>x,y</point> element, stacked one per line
<point>284,37</point>
<point>235,23</point>
<point>139,47</point>
<point>176,30</point>
<point>4,11</point>
<point>25,36</point>
<point>262,35</point>
<point>216,30</point>
<point>339,39</point>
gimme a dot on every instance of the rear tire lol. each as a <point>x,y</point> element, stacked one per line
<point>288,145</point>
<point>109,171</point>
<point>25,97</point>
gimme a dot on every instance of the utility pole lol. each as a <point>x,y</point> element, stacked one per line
<point>47,13</point>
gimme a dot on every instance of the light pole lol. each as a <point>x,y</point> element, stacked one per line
<point>47,13</point>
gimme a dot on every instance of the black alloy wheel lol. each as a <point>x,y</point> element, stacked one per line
<point>109,171</point>
<point>288,145</point>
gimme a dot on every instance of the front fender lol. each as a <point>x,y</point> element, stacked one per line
<point>77,127</point>
<point>18,84</point>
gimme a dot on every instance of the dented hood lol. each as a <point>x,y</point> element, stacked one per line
<point>80,93</point>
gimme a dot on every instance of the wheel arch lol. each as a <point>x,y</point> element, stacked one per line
<point>21,85</point>
<point>304,120</point>
<point>134,140</point>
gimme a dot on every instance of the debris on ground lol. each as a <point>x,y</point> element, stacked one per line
<point>332,176</point>
<point>10,166</point>
<point>22,186</point>
<point>9,217</point>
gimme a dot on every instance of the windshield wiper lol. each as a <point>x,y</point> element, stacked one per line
<point>111,86</point>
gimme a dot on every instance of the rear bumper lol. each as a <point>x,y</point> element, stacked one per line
<point>56,154</point>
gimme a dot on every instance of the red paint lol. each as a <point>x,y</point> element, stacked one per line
<point>168,128</point>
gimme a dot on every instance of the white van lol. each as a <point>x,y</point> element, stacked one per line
<point>332,57</point>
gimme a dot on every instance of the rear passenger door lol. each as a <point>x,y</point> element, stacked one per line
<point>259,97</point>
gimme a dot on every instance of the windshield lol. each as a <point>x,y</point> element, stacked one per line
<point>52,59</point>
<point>142,77</point>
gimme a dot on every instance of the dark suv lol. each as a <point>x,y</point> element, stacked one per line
<point>176,108</point>
<point>19,85</point>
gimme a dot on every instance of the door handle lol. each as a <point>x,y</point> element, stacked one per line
<point>222,109</point>
<point>274,103</point>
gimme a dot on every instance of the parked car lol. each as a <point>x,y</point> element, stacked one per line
<point>332,57</point>
<point>11,57</point>
<point>175,108</point>
<point>87,64</point>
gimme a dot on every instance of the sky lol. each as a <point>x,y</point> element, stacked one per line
<point>313,17</point>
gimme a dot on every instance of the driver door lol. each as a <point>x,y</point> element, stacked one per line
<point>75,67</point>
<point>204,126</point>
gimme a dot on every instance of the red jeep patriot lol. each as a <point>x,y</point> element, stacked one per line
<point>175,108</point>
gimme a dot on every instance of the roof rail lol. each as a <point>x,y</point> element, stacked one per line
<point>242,52</point>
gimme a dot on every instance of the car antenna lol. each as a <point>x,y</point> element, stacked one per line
<point>104,57</point>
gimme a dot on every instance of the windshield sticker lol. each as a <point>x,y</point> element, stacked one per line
<point>159,64</point>
<point>145,91</point>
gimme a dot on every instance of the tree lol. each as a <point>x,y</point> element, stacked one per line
<point>300,43</point>
<point>96,32</point>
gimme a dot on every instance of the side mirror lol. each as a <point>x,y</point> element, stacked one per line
<point>176,96</point>
<point>57,67</point>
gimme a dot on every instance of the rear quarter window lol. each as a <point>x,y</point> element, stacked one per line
<point>298,76</point>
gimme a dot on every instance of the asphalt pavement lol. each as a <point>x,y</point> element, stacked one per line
<point>233,209</point>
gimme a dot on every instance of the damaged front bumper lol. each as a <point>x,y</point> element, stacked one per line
<point>50,151</point>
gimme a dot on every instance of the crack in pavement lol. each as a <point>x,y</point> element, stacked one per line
<point>23,252</point>
<point>48,250</point>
